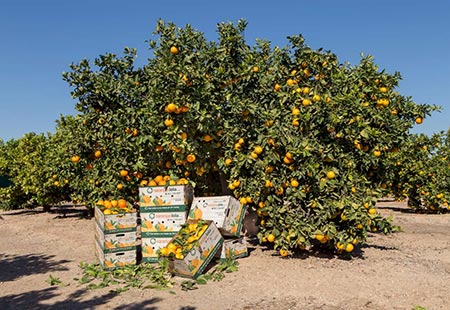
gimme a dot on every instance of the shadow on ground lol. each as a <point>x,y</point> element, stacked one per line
<point>16,266</point>
<point>41,299</point>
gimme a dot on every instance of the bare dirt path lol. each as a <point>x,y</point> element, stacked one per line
<point>398,271</point>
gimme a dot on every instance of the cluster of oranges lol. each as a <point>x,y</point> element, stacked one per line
<point>165,180</point>
<point>186,238</point>
<point>114,206</point>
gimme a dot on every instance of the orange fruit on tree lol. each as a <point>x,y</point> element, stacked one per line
<point>168,122</point>
<point>419,120</point>
<point>271,238</point>
<point>349,248</point>
<point>171,108</point>
<point>284,253</point>
<point>306,102</point>
<point>207,138</point>
<point>174,50</point>
<point>123,173</point>
<point>191,158</point>
<point>258,149</point>
<point>331,175</point>
<point>75,158</point>
<point>376,153</point>
<point>97,154</point>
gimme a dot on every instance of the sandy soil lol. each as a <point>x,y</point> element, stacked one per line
<point>399,271</point>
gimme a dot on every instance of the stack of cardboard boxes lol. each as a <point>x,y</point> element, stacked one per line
<point>115,238</point>
<point>228,214</point>
<point>162,212</point>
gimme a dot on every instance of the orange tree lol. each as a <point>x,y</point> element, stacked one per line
<point>304,144</point>
<point>294,133</point>
<point>26,163</point>
<point>420,172</point>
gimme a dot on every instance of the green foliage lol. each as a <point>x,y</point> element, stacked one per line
<point>143,276</point>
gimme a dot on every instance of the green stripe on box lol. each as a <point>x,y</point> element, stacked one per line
<point>177,208</point>
<point>114,231</point>
<point>150,259</point>
<point>160,234</point>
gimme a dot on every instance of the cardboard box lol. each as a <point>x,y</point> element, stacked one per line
<point>176,195</point>
<point>115,242</point>
<point>115,259</point>
<point>114,223</point>
<point>226,212</point>
<point>162,221</point>
<point>233,248</point>
<point>150,247</point>
<point>201,254</point>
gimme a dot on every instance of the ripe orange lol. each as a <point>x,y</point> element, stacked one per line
<point>119,186</point>
<point>122,203</point>
<point>75,158</point>
<point>291,82</point>
<point>174,50</point>
<point>419,120</point>
<point>372,211</point>
<point>97,154</point>
<point>349,248</point>
<point>294,183</point>
<point>207,138</point>
<point>284,253</point>
<point>383,89</point>
<point>123,173</point>
<point>191,158</point>
<point>331,175</point>
<point>306,102</point>
<point>316,98</point>
<point>376,153</point>
<point>255,69</point>
<point>168,122</point>
<point>171,108</point>
<point>271,238</point>
<point>277,87</point>
<point>295,111</point>
<point>258,149</point>
<point>228,161</point>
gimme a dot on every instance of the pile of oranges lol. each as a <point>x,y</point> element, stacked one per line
<point>160,180</point>
<point>185,239</point>
<point>114,206</point>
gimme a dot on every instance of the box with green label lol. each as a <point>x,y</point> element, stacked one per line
<point>115,242</point>
<point>233,248</point>
<point>113,260</point>
<point>158,196</point>
<point>200,254</point>
<point>114,223</point>
<point>150,247</point>
<point>162,221</point>
<point>226,212</point>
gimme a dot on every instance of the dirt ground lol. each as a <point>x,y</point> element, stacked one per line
<point>398,271</point>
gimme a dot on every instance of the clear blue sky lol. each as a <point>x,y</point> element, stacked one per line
<point>40,39</point>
